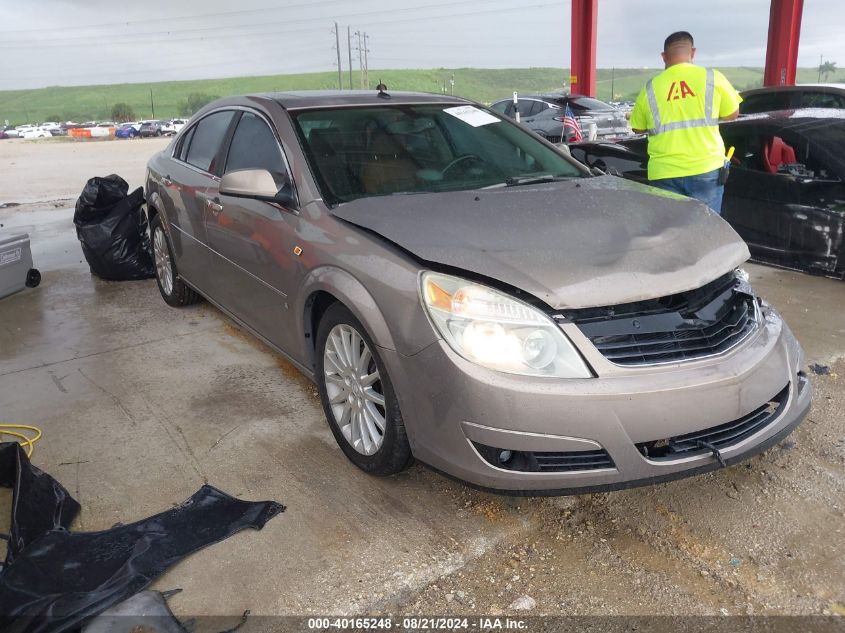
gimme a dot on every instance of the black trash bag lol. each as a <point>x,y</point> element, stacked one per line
<point>112,228</point>
<point>99,197</point>
<point>55,580</point>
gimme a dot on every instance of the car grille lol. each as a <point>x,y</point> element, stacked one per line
<point>682,327</point>
<point>720,436</point>
<point>545,462</point>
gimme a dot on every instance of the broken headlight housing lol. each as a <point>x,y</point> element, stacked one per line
<point>494,330</point>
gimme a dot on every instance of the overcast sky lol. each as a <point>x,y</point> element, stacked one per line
<point>73,42</point>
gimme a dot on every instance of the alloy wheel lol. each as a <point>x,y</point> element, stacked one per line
<point>354,389</point>
<point>164,267</point>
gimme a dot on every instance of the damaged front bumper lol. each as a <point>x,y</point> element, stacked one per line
<point>525,435</point>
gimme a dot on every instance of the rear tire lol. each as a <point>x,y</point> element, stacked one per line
<point>174,291</point>
<point>358,397</point>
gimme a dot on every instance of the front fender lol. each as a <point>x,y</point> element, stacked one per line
<point>349,291</point>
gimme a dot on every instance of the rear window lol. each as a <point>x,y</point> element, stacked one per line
<point>765,102</point>
<point>588,103</point>
<point>207,139</point>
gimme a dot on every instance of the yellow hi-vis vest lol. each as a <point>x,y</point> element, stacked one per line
<point>680,110</point>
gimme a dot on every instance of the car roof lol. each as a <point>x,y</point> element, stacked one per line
<point>327,98</point>
<point>796,87</point>
<point>549,97</point>
<point>796,118</point>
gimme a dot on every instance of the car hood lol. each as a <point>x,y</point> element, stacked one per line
<point>577,243</point>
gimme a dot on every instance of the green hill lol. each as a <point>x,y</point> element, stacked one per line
<point>82,103</point>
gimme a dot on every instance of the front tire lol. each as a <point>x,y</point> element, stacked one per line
<point>358,397</point>
<point>174,291</point>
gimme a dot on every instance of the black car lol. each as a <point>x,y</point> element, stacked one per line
<point>151,128</point>
<point>792,97</point>
<point>544,115</point>
<point>785,194</point>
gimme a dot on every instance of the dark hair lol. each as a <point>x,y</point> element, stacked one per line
<point>677,36</point>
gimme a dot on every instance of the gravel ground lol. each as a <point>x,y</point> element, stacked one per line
<point>55,169</point>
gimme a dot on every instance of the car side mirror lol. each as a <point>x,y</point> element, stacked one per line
<point>257,184</point>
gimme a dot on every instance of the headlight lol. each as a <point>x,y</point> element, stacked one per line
<point>496,331</point>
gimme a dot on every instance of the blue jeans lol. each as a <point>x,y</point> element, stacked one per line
<point>704,187</point>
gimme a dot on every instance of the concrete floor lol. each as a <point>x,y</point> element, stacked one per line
<point>141,404</point>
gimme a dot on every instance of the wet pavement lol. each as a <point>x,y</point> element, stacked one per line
<point>141,404</point>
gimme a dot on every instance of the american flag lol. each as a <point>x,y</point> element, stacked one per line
<point>569,121</point>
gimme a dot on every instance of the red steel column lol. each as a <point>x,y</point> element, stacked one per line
<point>583,72</point>
<point>782,50</point>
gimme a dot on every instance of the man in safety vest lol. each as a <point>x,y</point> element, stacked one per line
<point>680,109</point>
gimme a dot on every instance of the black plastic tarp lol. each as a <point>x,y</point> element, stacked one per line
<point>54,580</point>
<point>111,227</point>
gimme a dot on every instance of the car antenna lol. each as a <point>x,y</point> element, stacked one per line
<point>382,90</point>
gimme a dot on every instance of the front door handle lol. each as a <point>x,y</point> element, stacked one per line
<point>214,207</point>
<point>167,181</point>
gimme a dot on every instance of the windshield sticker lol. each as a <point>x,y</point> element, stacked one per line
<point>472,115</point>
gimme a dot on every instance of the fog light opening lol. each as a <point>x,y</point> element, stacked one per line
<point>505,456</point>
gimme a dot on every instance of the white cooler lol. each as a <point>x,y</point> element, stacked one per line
<point>16,271</point>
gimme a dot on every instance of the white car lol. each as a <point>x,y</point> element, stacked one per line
<point>31,132</point>
<point>172,127</point>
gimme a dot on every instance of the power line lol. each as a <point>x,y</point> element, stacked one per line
<point>122,39</point>
<point>158,20</point>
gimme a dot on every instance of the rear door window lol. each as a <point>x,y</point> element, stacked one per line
<point>822,100</point>
<point>501,107</point>
<point>207,140</point>
<point>184,142</point>
<point>528,107</point>
<point>254,146</point>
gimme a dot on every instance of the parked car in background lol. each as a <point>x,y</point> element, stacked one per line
<point>151,128</point>
<point>10,131</point>
<point>544,115</point>
<point>173,126</point>
<point>32,132</point>
<point>127,130</point>
<point>54,128</point>
<point>785,194</point>
<point>774,98</point>
<point>516,323</point>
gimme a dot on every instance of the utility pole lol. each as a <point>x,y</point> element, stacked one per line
<point>337,48</point>
<point>612,78</point>
<point>452,85</point>
<point>821,61</point>
<point>366,64</point>
<point>152,103</point>
<point>349,48</point>
<point>360,58</point>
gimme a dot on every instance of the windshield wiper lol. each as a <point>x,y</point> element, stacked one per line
<point>532,180</point>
